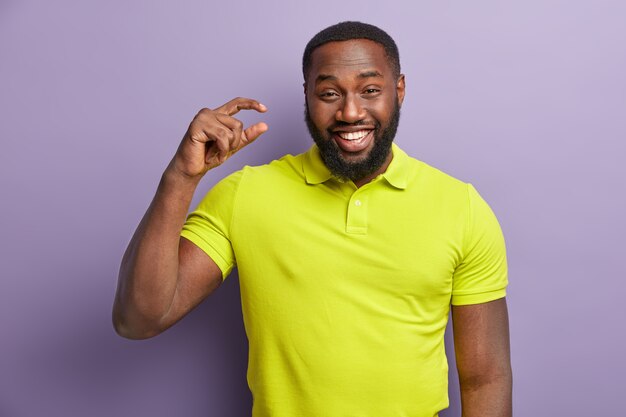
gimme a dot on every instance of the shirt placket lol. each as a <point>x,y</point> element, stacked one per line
<point>356,220</point>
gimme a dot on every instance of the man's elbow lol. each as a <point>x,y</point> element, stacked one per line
<point>471,381</point>
<point>125,327</point>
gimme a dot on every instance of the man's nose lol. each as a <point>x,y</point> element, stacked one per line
<point>351,110</point>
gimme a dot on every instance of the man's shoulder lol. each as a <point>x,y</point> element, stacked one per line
<point>286,168</point>
<point>426,175</point>
<point>436,174</point>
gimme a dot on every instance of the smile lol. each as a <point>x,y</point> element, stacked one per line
<point>354,142</point>
<point>353,135</point>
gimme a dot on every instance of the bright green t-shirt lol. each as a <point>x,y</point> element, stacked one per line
<point>346,291</point>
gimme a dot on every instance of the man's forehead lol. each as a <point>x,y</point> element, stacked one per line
<point>352,54</point>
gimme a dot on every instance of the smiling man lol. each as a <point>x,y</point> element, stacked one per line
<point>354,139</point>
<point>350,256</point>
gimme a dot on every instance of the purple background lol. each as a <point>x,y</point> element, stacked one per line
<point>526,100</point>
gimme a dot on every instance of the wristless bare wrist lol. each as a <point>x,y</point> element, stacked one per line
<point>174,177</point>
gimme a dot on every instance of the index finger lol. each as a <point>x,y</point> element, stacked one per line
<point>241,103</point>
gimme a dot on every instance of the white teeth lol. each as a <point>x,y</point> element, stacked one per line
<point>353,135</point>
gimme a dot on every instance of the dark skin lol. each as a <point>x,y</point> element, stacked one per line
<point>164,276</point>
<point>351,82</point>
<point>481,344</point>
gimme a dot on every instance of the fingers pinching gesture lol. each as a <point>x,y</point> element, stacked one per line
<point>214,135</point>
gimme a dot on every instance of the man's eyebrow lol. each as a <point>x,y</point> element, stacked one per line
<point>364,74</point>
<point>324,77</point>
<point>369,74</point>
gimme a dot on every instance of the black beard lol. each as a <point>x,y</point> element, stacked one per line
<point>331,155</point>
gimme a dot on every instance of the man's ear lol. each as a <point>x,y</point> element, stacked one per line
<point>400,89</point>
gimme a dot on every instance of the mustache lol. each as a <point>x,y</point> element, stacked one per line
<point>355,124</point>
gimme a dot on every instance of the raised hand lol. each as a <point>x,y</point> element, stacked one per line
<point>214,135</point>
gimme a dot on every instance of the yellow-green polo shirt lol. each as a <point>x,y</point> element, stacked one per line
<point>346,291</point>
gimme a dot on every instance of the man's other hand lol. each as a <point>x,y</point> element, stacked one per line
<point>214,135</point>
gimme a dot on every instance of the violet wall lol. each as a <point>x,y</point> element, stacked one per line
<point>526,100</point>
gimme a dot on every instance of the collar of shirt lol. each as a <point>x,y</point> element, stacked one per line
<point>316,172</point>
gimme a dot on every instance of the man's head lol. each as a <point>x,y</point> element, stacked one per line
<point>353,90</point>
<point>346,31</point>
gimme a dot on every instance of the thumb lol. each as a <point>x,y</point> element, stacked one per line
<point>253,132</point>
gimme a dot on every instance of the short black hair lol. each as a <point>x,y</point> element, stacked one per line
<point>345,31</point>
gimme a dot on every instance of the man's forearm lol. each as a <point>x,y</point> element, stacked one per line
<point>147,300</point>
<point>488,398</point>
<point>149,268</point>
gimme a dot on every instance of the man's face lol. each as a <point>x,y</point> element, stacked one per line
<point>352,110</point>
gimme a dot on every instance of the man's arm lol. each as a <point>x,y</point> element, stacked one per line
<point>163,276</point>
<point>481,343</point>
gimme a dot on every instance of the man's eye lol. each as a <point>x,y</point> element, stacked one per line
<point>329,96</point>
<point>372,91</point>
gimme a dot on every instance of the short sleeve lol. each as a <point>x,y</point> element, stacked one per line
<point>208,226</point>
<point>482,274</point>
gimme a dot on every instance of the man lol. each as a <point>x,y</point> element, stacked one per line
<point>349,256</point>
